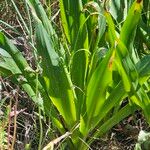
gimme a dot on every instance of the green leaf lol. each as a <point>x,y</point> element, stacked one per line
<point>120,115</point>
<point>56,79</point>
<point>13,56</point>
<point>75,28</point>
<point>143,66</point>
<point>96,92</point>
<point>130,24</point>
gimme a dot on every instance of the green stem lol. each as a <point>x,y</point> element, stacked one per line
<point>39,111</point>
<point>41,130</point>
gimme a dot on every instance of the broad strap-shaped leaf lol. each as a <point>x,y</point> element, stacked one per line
<point>10,69</point>
<point>142,99</point>
<point>56,78</point>
<point>111,33</point>
<point>96,92</point>
<point>75,28</point>
<point>114,98</point>
<point>39,14</point>
<point>73,21</point>
<point>120,51</point>
<point>97,86</point>
<point>123,61</point>
<point>129,26</point>
<point>115,119</point>
<point>20,66</point>
<point>117,6</point>
<point>96,25</point>
<point>143,66</point>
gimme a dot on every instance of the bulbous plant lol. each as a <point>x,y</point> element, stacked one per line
<point>85,76</point>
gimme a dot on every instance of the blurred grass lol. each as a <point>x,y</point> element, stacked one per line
<point>9,16</point>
